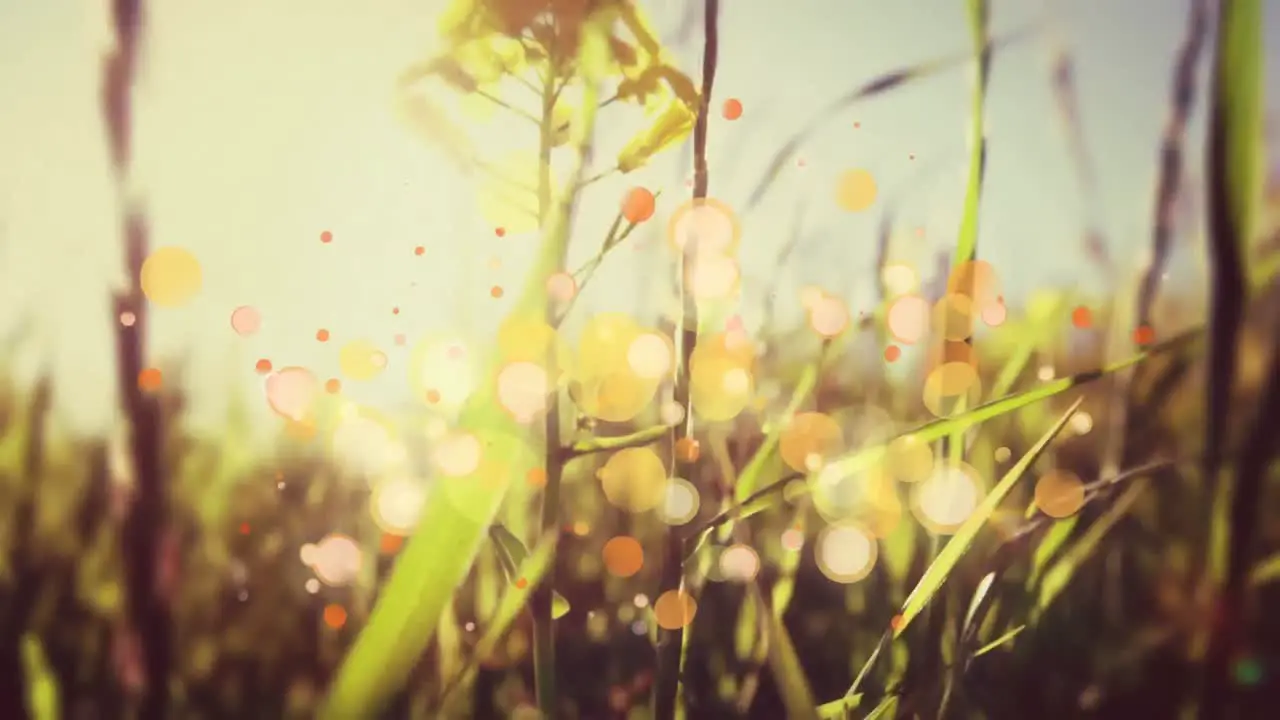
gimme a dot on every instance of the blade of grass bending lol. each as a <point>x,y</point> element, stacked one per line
<point>1060,574</point>
<point>766,496</point>
<point>839,709</point>
<point>940,569</point>
<point>1002,640</point>
<point>788,674</point>
<point>457,515</point>
<point>1266,571</point>
<point>515,598</point>
<point>512,554</point>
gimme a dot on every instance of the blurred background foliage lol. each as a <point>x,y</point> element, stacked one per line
<point>271,562</point>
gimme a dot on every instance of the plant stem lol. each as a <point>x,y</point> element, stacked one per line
<point>671,642</point>
<point>544,645</point>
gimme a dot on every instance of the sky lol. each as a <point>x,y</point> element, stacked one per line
<point>262,124</point>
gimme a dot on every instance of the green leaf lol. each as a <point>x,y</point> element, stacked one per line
<point>940,569</point>
<point>42,685</point>
<point>839,709</point>
<point>512,553</point>
<point>788,674</point>
<point>1002,640</point>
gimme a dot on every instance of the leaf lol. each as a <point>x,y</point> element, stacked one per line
<point>1266,571</point>
<point>885,709</point>
<point>673,125</point>
<point>839,709</point>
<point>512,553</point>
<point>1059,576</point>
<point>864,458</point>
<point>42,684</point>
<point>1002,640</point>
<point>940,569</point>
<point>788,674</point>
<point>456,517</point>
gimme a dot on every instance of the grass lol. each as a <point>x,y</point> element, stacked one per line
<point>1014,610</point>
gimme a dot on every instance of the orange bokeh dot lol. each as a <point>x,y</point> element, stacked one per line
<point>150,379</point>
<point>638,205</point>
<point>688,450</point>
<point>263,366</point>
<point>537,477</point>
<point>1082,317</point>
<point>322,335</point>
<point>623,556</point>
<point>892,353</point>
<point>332,385</point>
<point>732,109</point>
<point>1059,494</point>
<point>522,583</point>
<point>495,291</point>
<point>807,438</point>
<point>335,616</point>
<point>500,232</point>
<point>399,339</point>
<point>326,237</point>
<point>977,280</point>
<point>390,543</point>
<point>1144,335</point>
<point>419,250</point>
<point>395,311</point>
<point>433,396</point>
<point>674,609</point>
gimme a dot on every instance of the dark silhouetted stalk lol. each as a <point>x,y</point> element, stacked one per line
<point>1235,125</point>
<point>666,688</point>
<point>146,520</point>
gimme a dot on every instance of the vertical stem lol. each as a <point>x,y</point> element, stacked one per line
<point>671,642</point>
<point>145,523</point>
<point>544,645</point>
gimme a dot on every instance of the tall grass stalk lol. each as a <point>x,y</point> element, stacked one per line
<point>671,642</point>
<point>146,521</point>
<point>1169,183</point>
<point>1234,156</point>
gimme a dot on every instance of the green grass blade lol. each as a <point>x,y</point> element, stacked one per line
<point>42,684</point>
<point>1059,576</point>
<point>1266,571</point>
<point>512,554</point>
<point>788,674</point>
<point>940,569</point>
<point>839,709</point>
<point>1000,641</point>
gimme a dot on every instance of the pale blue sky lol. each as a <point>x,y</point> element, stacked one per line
<point>264,122</point>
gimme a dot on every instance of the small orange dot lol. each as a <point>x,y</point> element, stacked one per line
<point>335,616</point>
<point>395,311</point>
<point>522,583</point>
<point>857,125</point>
<point>638,205</point>
<point>244,528</point>
<point>332,385</point>
<point>687,450</point>
<point>433,396</point>
<point>419,250</point>
<point>495,291</point>
<point>537,477</point>
<point>399,338</point>
<point>322,335</point>
<point>263,366</point>
<point>1081,317</point>
<point>150,379</point>
<point>390,543</point>
<point>891,353</point>
<point>896,622</point>
<point>732,109</point>
<point>500,232</point>
<point>326,237</point>
<point>1144,335</point>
